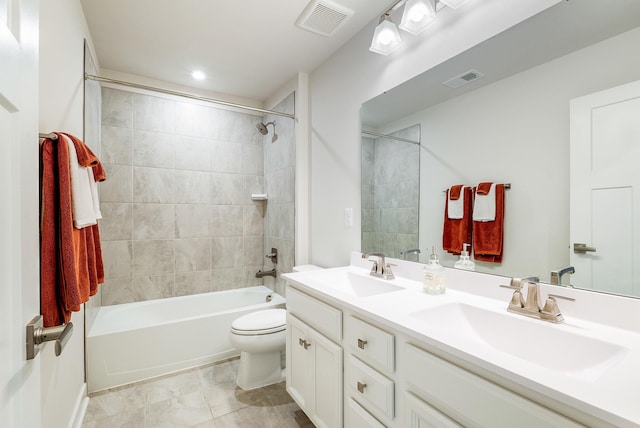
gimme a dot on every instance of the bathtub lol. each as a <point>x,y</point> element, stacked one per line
<point>136,341</point>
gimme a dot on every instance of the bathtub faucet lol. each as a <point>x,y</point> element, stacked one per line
<point>262,274</point>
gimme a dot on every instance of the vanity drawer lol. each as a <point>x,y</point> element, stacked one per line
<point>358,417</point>
<point>373,390</point>
<point>317,314</point>
<point>471,400</point>
<point>371,344</point>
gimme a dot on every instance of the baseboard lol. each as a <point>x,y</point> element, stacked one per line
<point>80,408</point>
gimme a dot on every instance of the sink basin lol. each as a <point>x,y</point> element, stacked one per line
<point>358,285</point>
<point>553,347</point>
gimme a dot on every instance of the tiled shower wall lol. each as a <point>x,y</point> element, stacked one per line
<point>279,175</point>
<point>390,193</point>
<point>177,208</point>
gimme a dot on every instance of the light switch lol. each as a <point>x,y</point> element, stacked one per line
<point>348,217</point>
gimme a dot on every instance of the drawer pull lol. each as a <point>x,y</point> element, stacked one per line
<point>361,387</point>
<point>304,343</point>
<point>361,343</point>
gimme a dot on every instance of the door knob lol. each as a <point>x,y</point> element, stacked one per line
<point>579,248</point>
<point>37,334</point>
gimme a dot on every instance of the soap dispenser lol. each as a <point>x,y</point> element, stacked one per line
<point>433,275</point>
<point>465,263</point>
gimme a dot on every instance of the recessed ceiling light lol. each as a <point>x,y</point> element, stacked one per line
<point>198,75</point>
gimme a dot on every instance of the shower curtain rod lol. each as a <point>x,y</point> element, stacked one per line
<point>391,137</point>
<point>186,95</point>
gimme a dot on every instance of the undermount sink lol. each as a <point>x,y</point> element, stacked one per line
<point>550,346</point>
<point>356,284</point>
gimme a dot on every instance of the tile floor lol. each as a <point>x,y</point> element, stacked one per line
<point>203,397</point>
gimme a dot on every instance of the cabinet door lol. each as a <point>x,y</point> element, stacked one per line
<point>300,375</point>
<point>418,414</point>
<point>328,381</point>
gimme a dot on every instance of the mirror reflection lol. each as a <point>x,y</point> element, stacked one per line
<point>390,192</point>
<point>513,124</point>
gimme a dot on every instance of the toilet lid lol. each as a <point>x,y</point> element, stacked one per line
<point>261,322</point>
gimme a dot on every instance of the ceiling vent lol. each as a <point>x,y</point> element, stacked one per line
<point>323,17</point>
<point>463,79</point>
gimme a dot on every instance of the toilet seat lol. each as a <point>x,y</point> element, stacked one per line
<point>262,322</point>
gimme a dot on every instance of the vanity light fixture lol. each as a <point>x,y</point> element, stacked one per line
<point>418,15</point>
<point>198,75</point>
<point>386,37</point>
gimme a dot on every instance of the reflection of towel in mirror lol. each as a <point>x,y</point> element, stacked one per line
<point>456,232</point>
<point>488,236</point>
<point>455,202</point>
<point>484,204</point>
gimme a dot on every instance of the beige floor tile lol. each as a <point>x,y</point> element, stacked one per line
<point>184,411</point>
<point>201,398</point>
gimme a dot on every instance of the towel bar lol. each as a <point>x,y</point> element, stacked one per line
<point>50,136</point>
<point>507,186</point>
<point>36,334</point>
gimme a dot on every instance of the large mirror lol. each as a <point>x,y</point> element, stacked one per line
<point>512,125</point>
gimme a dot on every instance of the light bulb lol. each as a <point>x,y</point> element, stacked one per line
<point>418,15</point>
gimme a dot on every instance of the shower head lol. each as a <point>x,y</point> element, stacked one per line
<point>262,128</point>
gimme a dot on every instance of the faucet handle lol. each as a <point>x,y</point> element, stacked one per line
<point>551,311</point>
<point>387,272</point>
<point>517,300</point>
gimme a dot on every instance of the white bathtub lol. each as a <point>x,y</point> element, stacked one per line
<point>136,341</point>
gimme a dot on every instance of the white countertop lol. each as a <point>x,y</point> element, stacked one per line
<point>610,392</point>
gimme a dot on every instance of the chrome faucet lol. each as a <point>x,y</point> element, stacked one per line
<point>556,275</point>
<point>405,253</point>
<point>530,306</point>
<point>380,268</point>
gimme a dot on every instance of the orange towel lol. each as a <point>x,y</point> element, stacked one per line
<point>71,259</point>
<point>454,192</point>
<point>456,232</point>
<point>483,188</point>
<point>488,236</point>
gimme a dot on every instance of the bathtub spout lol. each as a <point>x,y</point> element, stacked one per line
<point>262,274</point>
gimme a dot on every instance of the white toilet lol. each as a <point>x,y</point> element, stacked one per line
<point>260,337</point>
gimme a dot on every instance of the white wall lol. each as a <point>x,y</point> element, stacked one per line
<point>62,32</point>
<point>352,76</point>
<point>517,131</point>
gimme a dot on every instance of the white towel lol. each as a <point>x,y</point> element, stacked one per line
<point>455,208</point>
<point>82,199</point>
<point>484,206</point>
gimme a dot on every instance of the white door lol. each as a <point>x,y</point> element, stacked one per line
<point>605,189</point>
<point>19,254</point>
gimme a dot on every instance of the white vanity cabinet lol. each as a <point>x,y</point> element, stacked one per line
<point>314,362</point>
<point>348,366</point>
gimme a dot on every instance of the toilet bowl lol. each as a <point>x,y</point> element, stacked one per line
<point>260,337</point>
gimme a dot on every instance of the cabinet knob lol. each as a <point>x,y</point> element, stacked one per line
<point>361,343</point>
<point>304,343</point>
<point>361,387</point>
